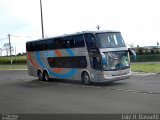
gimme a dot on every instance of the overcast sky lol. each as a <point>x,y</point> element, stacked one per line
<point>138,20</point>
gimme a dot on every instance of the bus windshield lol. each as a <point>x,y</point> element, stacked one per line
<point>116,60</point>
<point>110,40</point>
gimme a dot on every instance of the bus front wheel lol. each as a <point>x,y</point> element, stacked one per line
<point>85,78</point>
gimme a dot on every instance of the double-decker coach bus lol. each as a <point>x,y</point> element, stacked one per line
<point>90,56</point>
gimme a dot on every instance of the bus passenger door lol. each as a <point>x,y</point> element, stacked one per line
<point>94,56</point>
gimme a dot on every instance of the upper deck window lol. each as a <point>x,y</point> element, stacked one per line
<point>90,40</point>
<point>110,40</point>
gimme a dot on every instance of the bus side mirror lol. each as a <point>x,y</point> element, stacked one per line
<point>132,52</point>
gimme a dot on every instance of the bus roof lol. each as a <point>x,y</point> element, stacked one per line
<point>77,33</point>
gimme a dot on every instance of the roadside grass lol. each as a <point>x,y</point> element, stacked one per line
<point>13,66</point>
<point>147,58</point>
<point>146,67</point>
<point>16,60</point>
<point>150,63</point>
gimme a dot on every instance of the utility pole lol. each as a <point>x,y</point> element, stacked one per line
<point>157,44</point>
<point>157,47</point>
<point>41,19</point>
<point>1,51</point>
<point>15,51</point>
<point>10,49</point>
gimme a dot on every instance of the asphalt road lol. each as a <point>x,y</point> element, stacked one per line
<point>20,93</point>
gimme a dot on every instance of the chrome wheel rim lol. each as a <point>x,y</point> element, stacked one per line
<point>46,77</point>
<point>40,75</point>
<point>86,79</point>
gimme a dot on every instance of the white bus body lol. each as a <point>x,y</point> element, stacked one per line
<point>91,56</point>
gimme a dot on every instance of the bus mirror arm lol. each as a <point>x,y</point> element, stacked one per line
<point>132,52</point>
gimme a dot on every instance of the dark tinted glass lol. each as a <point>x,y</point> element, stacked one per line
<point>69,42</point>
<point>41,45</point>
<point>68,62</point>
<point>90,40</point>
<point>79,41</point>
<point>56,43</point>
<point>50,44</point>
<point>59,43</point>
<point>30,47</point>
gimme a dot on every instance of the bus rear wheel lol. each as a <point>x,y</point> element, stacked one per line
<point>85,78</point>
<point>40,76</point>
<point>46,76</point>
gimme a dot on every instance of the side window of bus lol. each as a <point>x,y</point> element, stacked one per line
<point>90,40</point>
<point>69,42</point>
<point>41,45</point>
<point>59,43</point>
<point>68,62</point>
<point>79,41</point>
<point>35,46</point>
<point>28,47</point>
<point>93,51</point>
<point>81,62</point>
<point>96,62</point>
<point>31,46</point>
<point>50,44</point>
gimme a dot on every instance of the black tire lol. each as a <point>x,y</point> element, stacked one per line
<point>40,76</point>
<point>85,78</point>
<point>46,76</point>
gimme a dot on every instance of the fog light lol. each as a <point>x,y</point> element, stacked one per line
<point>105,76</point>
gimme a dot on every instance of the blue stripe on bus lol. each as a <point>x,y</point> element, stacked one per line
<point>66,75</point>
<point>70,52</point>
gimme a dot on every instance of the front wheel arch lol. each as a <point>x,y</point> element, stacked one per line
<point>85,77</point>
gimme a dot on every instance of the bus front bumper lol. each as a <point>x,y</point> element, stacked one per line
<point>116,78</point>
